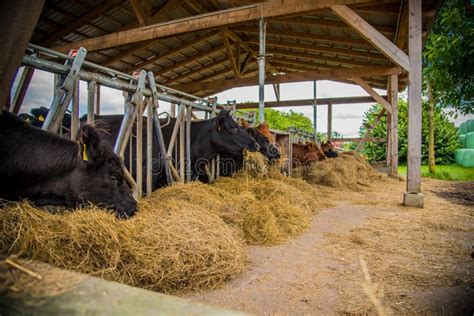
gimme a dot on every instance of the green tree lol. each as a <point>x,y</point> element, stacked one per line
<point>282,121</point>
<point>448,57</point>
<point>446,141</point>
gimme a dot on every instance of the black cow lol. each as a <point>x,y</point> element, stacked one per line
<point>220,135</point>
<point>230,164</point>
<point>49,170</point>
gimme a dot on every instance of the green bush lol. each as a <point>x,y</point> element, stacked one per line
<point>446,137</point>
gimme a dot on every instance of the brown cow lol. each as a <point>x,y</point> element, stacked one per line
<point>329,149</point>
<point>304,154</point>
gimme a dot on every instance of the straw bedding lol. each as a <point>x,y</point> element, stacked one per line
<point>349,171</point>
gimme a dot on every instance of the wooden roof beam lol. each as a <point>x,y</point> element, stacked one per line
<point>306,102</point>
<point>330,23</point>
<point>230,54</point>
<point>171,51</point>
<point>364,85</point>
<point>189,60</point>
<point>142,10</point>
<point>197,70</point>
<point>305,55</point>
<point>343,73</point>
<point>204,21</point>
<point>385,46</point>
<point>320,49</point>
<point>306,35</point>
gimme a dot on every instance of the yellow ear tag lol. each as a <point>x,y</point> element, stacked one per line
<point>41,118</point>
<point>84,154</point>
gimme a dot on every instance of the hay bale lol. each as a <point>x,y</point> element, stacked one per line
<point>349,170</point>
<point>168,246</point>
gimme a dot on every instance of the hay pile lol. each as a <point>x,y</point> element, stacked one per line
<point>349,170</point>
<point>168,246</point>
<point>184,237</point>
<point>262,210</point>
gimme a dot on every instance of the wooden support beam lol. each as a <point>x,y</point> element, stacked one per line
<point>320,49</point>
<point>142,9</point>
<point>358,139</point>
<point>205,21</point>
<point>373,93</point>
<point>276,89</point>
<point>321,22</point>
<point>307,102</point>
<point>249,49</point>
<point>319,57</point>
<point>306,36</point>
<point>245,63</point>
<point>394,124</point>
<point>229,52</point>
<point>414,98</point>
<point>329,132</point>
<point>294,77</point>
<point>386,47</point>
<point>78,22</point>
<point>368,132</point>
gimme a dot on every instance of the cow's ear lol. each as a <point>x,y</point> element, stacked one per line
<point>218,121</point>
<point>90,141</point>
<point>263,126</point>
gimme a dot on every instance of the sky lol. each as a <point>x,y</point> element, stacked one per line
<point>347,118</point>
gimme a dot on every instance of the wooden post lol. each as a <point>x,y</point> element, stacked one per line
<point>413,197</point>
<point>431,150</point>
<point>329,121</point>
<point>394,124</point>
<point>315,112</point>
<point>261,71</point>
<point>19,19</point>
<point>388,123</point>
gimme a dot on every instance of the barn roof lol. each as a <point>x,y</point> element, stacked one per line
<point>213,59</point>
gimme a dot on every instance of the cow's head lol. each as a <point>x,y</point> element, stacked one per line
<point>228,137</point>
<point>268,149</point>
<point>101,181</point>
<point>329,149</point>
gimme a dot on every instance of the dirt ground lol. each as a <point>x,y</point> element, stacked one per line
<point>418,260</point>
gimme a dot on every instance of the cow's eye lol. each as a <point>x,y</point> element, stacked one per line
<point>114,177</point>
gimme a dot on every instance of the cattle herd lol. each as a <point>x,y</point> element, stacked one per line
<point>50,170</point>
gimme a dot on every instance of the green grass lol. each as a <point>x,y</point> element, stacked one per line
<point>445,172</point>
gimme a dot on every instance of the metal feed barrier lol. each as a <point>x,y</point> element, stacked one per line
<point>141,94</point>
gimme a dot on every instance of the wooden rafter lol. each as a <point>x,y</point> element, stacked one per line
<point>386,47</point>
<point>198,70</point>
<point>142,9</point>
<point>307,56</point>
<point>306,102</point>
<point>172,51</point>
<point>189,60</point>
<point>296,77</point>
<point>78,22</point>
<point>305,36</point>
<point>320,49</point>
<point>230,55</point>
<point>219,18</point>
<point>373,93</point>
<point>329,23</point>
